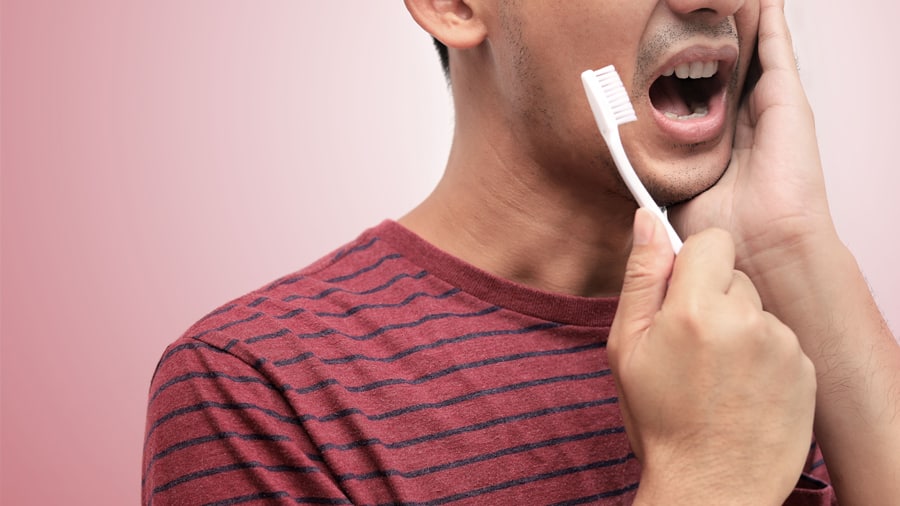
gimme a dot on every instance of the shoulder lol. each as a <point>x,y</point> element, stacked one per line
<point>264,324</point>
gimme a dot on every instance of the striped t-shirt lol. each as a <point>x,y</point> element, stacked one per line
<point>390,372</point>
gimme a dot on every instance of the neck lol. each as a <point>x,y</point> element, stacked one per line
<point>545,227</point>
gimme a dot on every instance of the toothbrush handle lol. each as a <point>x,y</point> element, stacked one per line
<point>673,235</point>
<point>641,195</point>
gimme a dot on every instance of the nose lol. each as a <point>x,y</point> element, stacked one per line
<point>712,11</point>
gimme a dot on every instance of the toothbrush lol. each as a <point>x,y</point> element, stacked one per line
<point>612,107</point>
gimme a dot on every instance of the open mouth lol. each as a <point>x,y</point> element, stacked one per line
<point>689,97</point>
<point>686,92</point>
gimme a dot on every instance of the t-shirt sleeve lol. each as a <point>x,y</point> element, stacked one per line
<point>813,488</point>
<point>219,432</point>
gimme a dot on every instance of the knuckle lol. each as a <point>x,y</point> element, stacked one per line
<point>742,279</point>
<point>783,339</point>
<point>689,315</point>
<point>809,368</point>
<point>757,323</point>
<point>693,324</point>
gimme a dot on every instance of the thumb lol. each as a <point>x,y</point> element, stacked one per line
<point>646,276</point>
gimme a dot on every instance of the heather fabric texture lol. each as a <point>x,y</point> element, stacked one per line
<point>392,373</point>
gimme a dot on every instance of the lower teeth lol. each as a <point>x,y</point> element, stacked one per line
<point>699,112</point>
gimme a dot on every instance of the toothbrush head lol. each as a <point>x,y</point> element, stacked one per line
<point>612,107</point>
<point>608,98</point>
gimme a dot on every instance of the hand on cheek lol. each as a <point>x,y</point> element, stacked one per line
<point>772,196</point>
<point>717,396</point>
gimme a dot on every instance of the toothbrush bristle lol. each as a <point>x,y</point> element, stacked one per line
<point>616,95</point>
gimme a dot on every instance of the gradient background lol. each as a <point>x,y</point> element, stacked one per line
<point>160,158</point>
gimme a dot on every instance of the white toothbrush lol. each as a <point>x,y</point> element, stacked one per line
<point>612,107</point>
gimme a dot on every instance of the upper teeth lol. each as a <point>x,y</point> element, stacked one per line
<point>694,70</point>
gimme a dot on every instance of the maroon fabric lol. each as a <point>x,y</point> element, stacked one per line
<point>391,373</point>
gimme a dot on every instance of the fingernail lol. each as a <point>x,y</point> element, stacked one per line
<point>644,227</point>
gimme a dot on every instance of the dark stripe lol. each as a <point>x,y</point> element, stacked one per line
<point>395,326</point>
<point>481,458</point>
<point>291,314</point>
<point>388,284</point>
<point>212,438</point>
<point>287,280</point>
<point>196,475</point>
<point>211,375</point>
<point>258,301</point>
<point>294,360</point>
<point>320,500</point>
<point>468,428</point>
<point>813,447</point>
<point>361,247</point>
<point>228,325</point>
<point>334,382</point>
<point>440,342</point>
<point>186,346</point>
<point>294,420</point>
<point>314,387</point>
<point>369,268</point>
<point>209,439</point>
<point>223,309</point>
<point>470,365</point>
<point>519,482</point>
<point>435,375</point>
<point>248,498</point>
<point>270,335</point>
<point>461,398</point>
<point>597,497</point>
<point>362,307</point>
<point>277,495</point>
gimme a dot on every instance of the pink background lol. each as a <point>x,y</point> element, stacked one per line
<point>159,158</point>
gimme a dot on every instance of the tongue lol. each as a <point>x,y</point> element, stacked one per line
<point>666,97</point>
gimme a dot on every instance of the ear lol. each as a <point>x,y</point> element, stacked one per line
<point>456,23</point>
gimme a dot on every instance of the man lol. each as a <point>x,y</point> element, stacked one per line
<point>475,351</point>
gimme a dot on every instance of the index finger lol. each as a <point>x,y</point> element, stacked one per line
<point>776,47</point>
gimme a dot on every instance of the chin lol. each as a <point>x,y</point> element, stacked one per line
<point>683,181</point>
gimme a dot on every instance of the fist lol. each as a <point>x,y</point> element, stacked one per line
<point>717,395</point>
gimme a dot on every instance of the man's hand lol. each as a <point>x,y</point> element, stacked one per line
<point>772,196</point>
<point>717,396</point>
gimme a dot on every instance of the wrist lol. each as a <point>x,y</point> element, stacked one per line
<point>786,267</point>
<point>792,244</point>
<point>815,286</point>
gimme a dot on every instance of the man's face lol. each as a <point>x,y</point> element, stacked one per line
<point>682,61</point>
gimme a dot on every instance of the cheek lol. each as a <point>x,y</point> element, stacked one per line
<point>542,50</point>
<point>577,35</point>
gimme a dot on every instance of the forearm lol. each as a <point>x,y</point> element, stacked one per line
<point>822,295</point>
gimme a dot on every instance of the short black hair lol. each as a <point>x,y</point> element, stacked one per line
<point>445,56</point>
